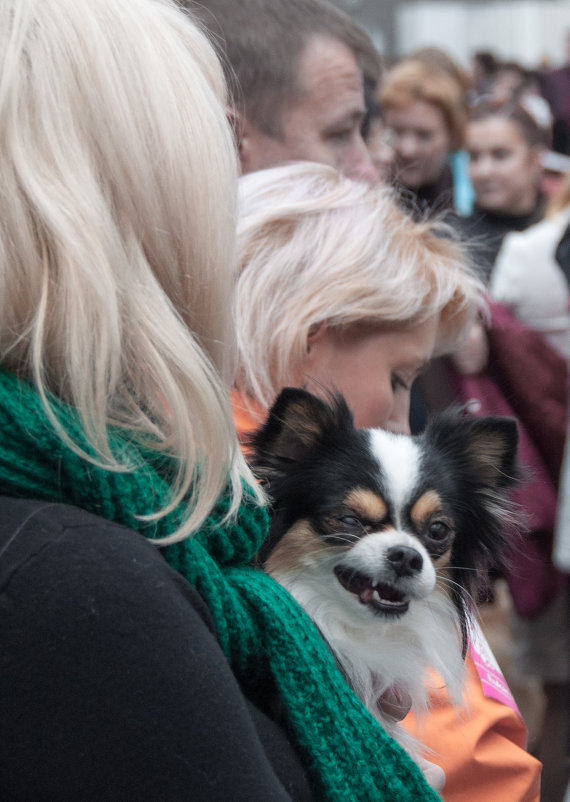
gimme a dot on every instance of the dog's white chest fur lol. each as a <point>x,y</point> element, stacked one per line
<point>379,655</point>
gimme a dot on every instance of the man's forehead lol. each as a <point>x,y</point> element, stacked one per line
<point>328,69</point>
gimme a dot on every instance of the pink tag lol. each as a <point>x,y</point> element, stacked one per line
<point>492,679</point>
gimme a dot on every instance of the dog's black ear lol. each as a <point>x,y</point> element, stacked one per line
<point>297,423</point>
<point>492,444</point>
<point>485,448</point>
<point>481,458</point>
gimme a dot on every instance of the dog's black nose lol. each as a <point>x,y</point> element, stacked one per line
<point>405,560</point>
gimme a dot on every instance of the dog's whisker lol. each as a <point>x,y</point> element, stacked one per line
<point>463,590</point>
<point>460,568</point>
<point>348,539</point>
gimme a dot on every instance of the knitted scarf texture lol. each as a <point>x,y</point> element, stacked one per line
<point>265,635</point>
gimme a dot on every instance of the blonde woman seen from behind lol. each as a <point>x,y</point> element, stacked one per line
<point>80,222</point>
<point>143,656</point>
<point>340,290</point>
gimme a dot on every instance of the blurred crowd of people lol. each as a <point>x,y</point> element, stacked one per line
<point>422,136</point>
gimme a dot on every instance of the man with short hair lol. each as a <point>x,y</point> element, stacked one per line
<point>296,72</point>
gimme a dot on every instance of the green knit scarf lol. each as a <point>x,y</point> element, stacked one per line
<point>264,634</point>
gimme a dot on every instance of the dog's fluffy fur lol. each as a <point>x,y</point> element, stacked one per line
<point>384,539</point>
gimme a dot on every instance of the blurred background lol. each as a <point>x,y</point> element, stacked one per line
<point>535,33</point>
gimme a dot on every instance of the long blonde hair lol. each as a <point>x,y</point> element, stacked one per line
<point>315,247</point>
<point>117,176</point>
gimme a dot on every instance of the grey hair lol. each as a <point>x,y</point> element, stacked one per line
<point>261,42</point>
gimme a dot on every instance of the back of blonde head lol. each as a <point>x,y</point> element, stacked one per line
<point>118,170</point>
<point>315,247</point>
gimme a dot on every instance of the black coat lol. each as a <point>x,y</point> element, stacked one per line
<point>113,685</point>
<point>484,232</point>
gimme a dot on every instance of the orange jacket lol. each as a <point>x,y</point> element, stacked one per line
<point>481,747</point>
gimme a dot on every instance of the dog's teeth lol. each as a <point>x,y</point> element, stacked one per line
<point>377,597</point>
<point>389,602</point>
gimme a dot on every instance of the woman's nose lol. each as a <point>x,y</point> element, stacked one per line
<point>481,168</point>
<point>406,145</point>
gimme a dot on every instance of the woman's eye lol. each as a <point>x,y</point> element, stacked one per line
<point>438,531</point>
<point>398,384</point>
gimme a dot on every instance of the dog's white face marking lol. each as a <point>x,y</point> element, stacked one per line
<point>400,460</point>
<point>380,565</point>
<point>386,569</point>
<point>370,556</point>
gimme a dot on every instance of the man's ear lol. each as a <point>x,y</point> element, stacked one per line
<point>237,122</point>
<point>257,150</point>
<point>249,140</point>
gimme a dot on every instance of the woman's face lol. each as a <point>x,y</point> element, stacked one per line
<point>504,169</point>
<point>374,369</point>
<point>421,143</point>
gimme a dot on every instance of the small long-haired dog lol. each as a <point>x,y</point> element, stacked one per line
<point>385,539</point>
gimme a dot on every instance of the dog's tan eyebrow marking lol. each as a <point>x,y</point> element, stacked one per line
<point>428,504</point>
<point>367,504</point>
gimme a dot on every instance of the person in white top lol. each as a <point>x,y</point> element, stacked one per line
<point>528,278</point>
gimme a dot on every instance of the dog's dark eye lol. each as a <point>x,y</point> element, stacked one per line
<point>352,521</point>
<point>439,531</point>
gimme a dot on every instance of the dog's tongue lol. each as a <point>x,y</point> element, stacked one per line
<point>366,595</point>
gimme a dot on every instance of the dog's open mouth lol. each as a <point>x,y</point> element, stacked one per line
<point>384,598</point>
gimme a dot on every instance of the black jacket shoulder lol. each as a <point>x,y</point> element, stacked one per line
<point>114,686</point>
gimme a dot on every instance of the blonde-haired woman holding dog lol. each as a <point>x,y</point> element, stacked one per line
<point>335,278</point>
<point>339,289</point>
<point>143,657</point>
